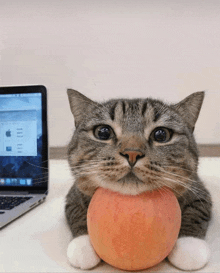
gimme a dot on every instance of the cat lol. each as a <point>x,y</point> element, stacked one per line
<point>131,146</point>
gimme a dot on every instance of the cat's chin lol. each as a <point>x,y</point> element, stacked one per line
<point>129,185</point>
<point>130,178</point>
<point>127,190</point>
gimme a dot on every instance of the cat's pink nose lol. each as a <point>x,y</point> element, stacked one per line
<point>132,156</point>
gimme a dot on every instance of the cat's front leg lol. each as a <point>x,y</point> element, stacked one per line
<point>191,252</point>
<point>80,252</point>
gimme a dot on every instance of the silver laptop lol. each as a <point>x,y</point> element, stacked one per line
<point>23,150</point>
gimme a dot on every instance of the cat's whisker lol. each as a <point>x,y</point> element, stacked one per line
<point>193,190</point>
<point>185,179</point>
<point>161,169</point>
<point>81,166</point>
<point>87,171</point>
<point>37,183</point>
<point>199,193</point>
<point>91,164</point>
<point>44,178</point>
<point>178,176</point>
<point>179,168</point>
<point>104,160</point>
<point>37,166</point>
<point>163,189</point>
<point>45,175</point>
<point>87,167</point>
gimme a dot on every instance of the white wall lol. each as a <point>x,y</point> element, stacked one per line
<point>132,48</point>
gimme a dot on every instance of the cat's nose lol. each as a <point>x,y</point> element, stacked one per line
<point>132,156</point>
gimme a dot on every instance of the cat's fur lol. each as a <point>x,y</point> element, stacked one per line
<point>101,163</point>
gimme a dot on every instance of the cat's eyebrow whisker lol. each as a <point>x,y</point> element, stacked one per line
<point>161,109</point>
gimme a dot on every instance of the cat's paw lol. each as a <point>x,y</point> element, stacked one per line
<point>81,253</point>
<point>189,253</point>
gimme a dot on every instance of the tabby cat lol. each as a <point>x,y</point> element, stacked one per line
<point>131,146</point>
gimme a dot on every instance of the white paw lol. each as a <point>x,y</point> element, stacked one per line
<point>81,253</point>
<point>189,253</point>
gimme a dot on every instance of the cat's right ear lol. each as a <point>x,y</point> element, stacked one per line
<point>190,107</point>
<point>80,105</point>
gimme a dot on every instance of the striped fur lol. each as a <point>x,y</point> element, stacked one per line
<point>97,163</point>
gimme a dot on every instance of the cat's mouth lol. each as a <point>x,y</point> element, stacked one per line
<point>130,178</point>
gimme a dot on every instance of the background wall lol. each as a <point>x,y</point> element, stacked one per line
<point>163,49</point>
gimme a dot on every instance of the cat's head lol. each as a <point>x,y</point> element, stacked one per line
<point>133,145</point>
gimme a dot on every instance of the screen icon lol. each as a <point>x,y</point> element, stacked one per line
<point>14,181</point>
<point>8,133</point>
<point>29,182</point>
<point>2,181</point>
<point>22,182</point>
<point>7,181</point>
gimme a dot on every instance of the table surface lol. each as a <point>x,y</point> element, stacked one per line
<point>37,241</point>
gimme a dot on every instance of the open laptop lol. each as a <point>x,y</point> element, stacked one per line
<point>23,150</point>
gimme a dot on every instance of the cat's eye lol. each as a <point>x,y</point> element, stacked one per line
<point>103,132</point>
<point>162,135</point>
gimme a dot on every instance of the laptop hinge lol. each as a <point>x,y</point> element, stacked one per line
<point>14,193</point>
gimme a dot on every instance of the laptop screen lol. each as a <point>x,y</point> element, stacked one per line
<point>22,138</point>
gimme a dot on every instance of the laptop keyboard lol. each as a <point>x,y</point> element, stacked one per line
<point>9,202</point>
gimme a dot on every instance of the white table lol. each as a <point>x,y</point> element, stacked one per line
<point>37,241</point>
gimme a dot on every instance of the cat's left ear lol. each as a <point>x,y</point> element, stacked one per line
<point>190,107</point>
<point>80,105</point>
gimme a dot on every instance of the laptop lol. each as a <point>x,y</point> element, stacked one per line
<point>23,150</point>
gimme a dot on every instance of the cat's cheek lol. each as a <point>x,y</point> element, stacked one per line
<point>190,253</point>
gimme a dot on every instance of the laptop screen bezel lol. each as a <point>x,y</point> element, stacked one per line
<point>45,171</point>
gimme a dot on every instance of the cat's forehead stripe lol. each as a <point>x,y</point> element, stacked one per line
<point>112,111</point>
<point>123,107</point>
<point>144,107</point>
<point>119,111</point>
<point>139,114</point>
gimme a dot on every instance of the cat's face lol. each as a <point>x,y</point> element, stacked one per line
<point>131,146</point>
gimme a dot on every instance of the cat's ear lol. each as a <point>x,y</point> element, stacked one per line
<point>80,105</point>
<point>189,108</point>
